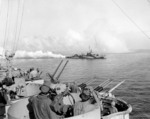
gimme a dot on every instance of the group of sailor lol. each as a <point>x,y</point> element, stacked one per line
<point>49,104</point>
<point>8,87</point>
<point>30,74</point>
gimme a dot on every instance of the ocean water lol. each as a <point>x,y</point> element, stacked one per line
<point>134,68</point>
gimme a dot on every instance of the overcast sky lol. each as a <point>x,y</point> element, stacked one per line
<point>71,26</point>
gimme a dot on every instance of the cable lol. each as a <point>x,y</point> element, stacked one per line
<point>20,25</point>
<point>1,13</point>
<point>0,8</point>
<point>6,27</point>
<point>130,19</point>
<point>16,25</point>
<point>9,21</point>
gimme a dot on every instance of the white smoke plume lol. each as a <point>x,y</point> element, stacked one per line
<point>31,54</point>
<point>37,54</point>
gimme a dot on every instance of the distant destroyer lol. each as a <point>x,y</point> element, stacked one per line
<point>88,55</point>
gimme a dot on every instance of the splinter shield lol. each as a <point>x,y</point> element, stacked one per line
<point>20,86</point>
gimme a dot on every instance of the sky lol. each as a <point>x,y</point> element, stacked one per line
<point>66,27</point>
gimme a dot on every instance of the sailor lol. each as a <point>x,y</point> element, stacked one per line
<point>17,72</point>
<point>60,88</point>
<point>113,108</point>
<point>59,107</point>
<point>85,105</point>
<point>73,87</point>
<point>109,106</point>
<point>8,81</point>
<point>56,85</point>
<point>33,74</point>
<point>11,91</point>
<point>3,101</point>
<point>41,104</point>
<point>51,85</point>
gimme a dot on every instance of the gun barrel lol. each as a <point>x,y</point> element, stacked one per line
<point>57,68</point>
<point>62,70</point>
<point>116,86</point>
<point>103,85</point>
<point>105,82</point>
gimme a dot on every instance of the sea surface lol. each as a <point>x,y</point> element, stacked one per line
<point>134,68</point>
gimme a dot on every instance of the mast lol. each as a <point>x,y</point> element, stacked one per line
<point>9,54</point>
<point>9,57</point>
<point>90,50</point>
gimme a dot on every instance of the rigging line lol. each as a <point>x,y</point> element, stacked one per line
<point>130,19</point>
<point>0,8</point>
<point>6,27</point>
<point>16,25</point>
<point>9,22</point>
<point>148,2</point>
<point>1,53</point>
<point>22,13</point>
<point>1,12</point>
